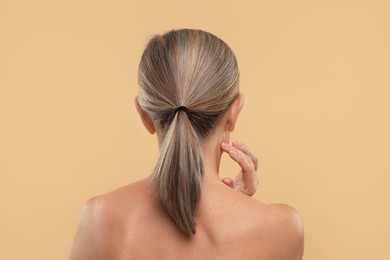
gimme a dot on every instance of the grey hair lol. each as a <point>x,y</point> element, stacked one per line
<point>195,69</point>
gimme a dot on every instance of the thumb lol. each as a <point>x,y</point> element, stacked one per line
<point>229,182</point>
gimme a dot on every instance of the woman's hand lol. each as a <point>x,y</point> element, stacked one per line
<point>246,181</point>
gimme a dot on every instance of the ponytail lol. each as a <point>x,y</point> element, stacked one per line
<point>178,173</point>
<point>199,70</point>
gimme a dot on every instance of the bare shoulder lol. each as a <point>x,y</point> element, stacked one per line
<point>100,218</point>
<point>276,231</point>
<point>286,217</point>
<point>104,207</point>
<point>86,240</point>
<point>262,231</point>
<point>286,226</point>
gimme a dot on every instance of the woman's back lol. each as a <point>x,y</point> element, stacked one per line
<point>189,96</point>
<point>130,223</point>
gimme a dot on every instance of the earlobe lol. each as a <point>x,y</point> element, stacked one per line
<point>146,120</point>
<point>234,111</point>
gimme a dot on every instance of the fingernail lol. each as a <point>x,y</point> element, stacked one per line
<point>225,145</point>
<point>235,143</point>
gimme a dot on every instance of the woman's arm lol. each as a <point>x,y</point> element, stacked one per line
<point>86,241</point>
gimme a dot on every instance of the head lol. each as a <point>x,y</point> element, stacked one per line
<point>198,71</point>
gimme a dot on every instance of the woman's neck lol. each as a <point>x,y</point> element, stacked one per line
<point>212,157</point>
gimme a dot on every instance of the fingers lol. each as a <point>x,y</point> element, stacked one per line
<point>246,181</point>
<point>240,154</point>
<point>243,148</point>
<point>229,182</point>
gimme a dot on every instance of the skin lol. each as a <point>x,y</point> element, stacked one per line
<point>130,223</point>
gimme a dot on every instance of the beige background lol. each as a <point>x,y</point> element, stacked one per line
<point>316,78</point>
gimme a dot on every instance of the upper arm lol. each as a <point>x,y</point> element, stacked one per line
<point>295,227</point>
<point>290,236</point>
<point>86,241</point>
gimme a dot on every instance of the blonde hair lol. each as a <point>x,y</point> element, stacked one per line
<point>198,72</point>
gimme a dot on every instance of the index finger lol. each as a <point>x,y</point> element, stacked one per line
<point>244,149</point>
<point>245,161</point>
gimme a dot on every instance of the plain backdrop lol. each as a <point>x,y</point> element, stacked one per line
<point>316,79</point>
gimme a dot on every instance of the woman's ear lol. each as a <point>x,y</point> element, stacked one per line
<point>146,120</point>
<point>234,112</point>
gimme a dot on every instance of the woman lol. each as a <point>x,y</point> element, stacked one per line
<point>189,96</point>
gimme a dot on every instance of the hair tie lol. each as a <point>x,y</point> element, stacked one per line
<point>182,108</point>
